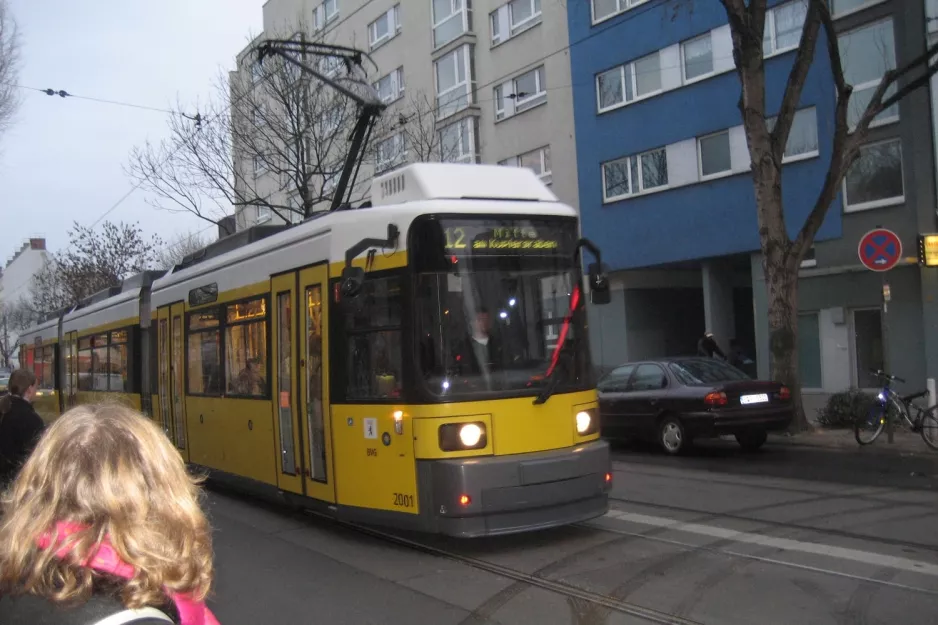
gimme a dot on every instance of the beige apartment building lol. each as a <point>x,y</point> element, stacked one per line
<point>476,81</point>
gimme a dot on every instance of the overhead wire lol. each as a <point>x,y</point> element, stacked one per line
<point>330,27</point>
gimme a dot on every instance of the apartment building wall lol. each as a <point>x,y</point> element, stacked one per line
<point>434,42</point>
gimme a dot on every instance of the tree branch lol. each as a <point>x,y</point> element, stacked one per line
<point>796,79</point>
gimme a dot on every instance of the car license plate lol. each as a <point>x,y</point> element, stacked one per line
<point>761,398</point>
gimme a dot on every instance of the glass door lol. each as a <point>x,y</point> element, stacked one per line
<point>177,377</point>
<point>867,346</point>
<point>284,383</point>
<point>314,382</point>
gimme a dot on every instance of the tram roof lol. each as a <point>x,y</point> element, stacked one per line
<point>397,197</point>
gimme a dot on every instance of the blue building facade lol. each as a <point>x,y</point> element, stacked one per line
<point>666,189</point>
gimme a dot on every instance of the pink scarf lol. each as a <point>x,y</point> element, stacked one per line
<point>106,560</point>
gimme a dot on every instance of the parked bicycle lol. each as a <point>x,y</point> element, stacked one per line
<point>889,405</point>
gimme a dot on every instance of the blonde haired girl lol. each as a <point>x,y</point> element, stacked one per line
<point>103,515</point>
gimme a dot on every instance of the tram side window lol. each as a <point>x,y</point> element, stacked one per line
<point>246,348</point>
<point>373,364</point>
<point>85,376</point>
<point>99,366</point>
<point>118,364</point>
<point>204,361</point>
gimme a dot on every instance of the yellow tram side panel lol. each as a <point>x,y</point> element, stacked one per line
<point>374,465</point>
<point>233,435</point>
<point>228,434</point>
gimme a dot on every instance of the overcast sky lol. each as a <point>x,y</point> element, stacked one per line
<point>64,159</point>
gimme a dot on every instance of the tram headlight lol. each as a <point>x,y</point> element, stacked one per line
<point>586,422</point>
<point>462,436</point>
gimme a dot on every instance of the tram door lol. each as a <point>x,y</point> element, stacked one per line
<point>172,363</point>
<point>70,384</point>
<point>313,343</point>
<point>302,391</point>
<point>284,382</point>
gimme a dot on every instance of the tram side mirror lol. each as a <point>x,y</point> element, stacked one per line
<point>599,285</point>
<point>352,280</point>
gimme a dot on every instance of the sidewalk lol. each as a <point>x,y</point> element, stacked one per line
<point>904,441</point>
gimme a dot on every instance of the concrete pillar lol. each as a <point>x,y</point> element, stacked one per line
<point>718,303</point>
<point>760,305</point>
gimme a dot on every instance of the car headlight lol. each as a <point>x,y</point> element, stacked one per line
<point>586,422</point>
<point>462,436</point>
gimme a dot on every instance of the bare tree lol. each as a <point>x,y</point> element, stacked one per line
<point>177,249</point>
<point>94,260</point>
<point>767,142</point>
<point>14,318</point>
<point>9,66</point>
<point>424,140</point>
<point>274,138</point>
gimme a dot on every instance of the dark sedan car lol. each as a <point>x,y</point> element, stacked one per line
<point>675,400</point>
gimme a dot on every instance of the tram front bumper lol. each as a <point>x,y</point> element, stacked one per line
<point>521,492</point>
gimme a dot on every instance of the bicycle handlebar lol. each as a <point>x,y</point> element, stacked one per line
<point>882,374</point>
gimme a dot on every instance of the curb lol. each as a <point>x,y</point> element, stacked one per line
<point>905,444</point>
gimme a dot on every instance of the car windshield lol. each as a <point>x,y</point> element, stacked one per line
<point>490,321</point>
<point>705,372</point>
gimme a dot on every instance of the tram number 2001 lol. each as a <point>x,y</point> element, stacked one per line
<point>403,501</point>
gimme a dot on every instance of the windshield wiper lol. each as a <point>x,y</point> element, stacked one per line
<point>553,380</point>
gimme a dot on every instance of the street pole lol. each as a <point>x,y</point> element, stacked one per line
<point>886,295</point>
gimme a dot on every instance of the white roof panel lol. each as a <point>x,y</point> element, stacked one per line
<point>455,181</point>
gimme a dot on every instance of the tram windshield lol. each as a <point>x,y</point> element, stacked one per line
<point>494,300</point>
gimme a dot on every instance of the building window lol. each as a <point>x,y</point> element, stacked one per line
<point>839,8</point>
<point>263,214</point>
<point>867,53</point>
<point>514,18</point>
<point>697,55</point>
<point>810,258</point>
<point>246,348</point>
<point>454,81</point>
<point>331,8</point>
<point>385,27</point>
<point>809,350</point>
<point>330,66</point>
<point>632,81</point>
<point>783,26</point>
<point>390,87</point>
<point>260,166</point>
<point>390,152</point>
<point>604,9</point>
<point>875,178</point>
<point>450,20</point>
<point>713,154</point>
<point>458,141</point>
<point>635,174</point>
<point>802,137</point>
<point>527,90</point>
<point>537,161</point>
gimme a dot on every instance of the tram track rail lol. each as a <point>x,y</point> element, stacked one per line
<point>560,588</point>
<point>709,515</point>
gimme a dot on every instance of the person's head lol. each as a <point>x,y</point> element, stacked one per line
<point>708,334</point>
<point>22,384</point>
<point>114,474</point>
<point>482,322</point>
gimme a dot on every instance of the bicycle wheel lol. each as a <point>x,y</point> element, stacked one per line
<point>929,430</point>
<point>868,429</point>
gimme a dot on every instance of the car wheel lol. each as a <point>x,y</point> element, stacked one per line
<point>671,435</point>
<point>751,441</point>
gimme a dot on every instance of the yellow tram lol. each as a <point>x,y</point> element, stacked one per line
<point>420,362</point>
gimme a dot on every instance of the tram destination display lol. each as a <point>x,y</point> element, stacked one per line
<point>516,237</point>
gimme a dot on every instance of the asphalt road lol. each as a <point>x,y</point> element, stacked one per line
<point>789,535</point>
